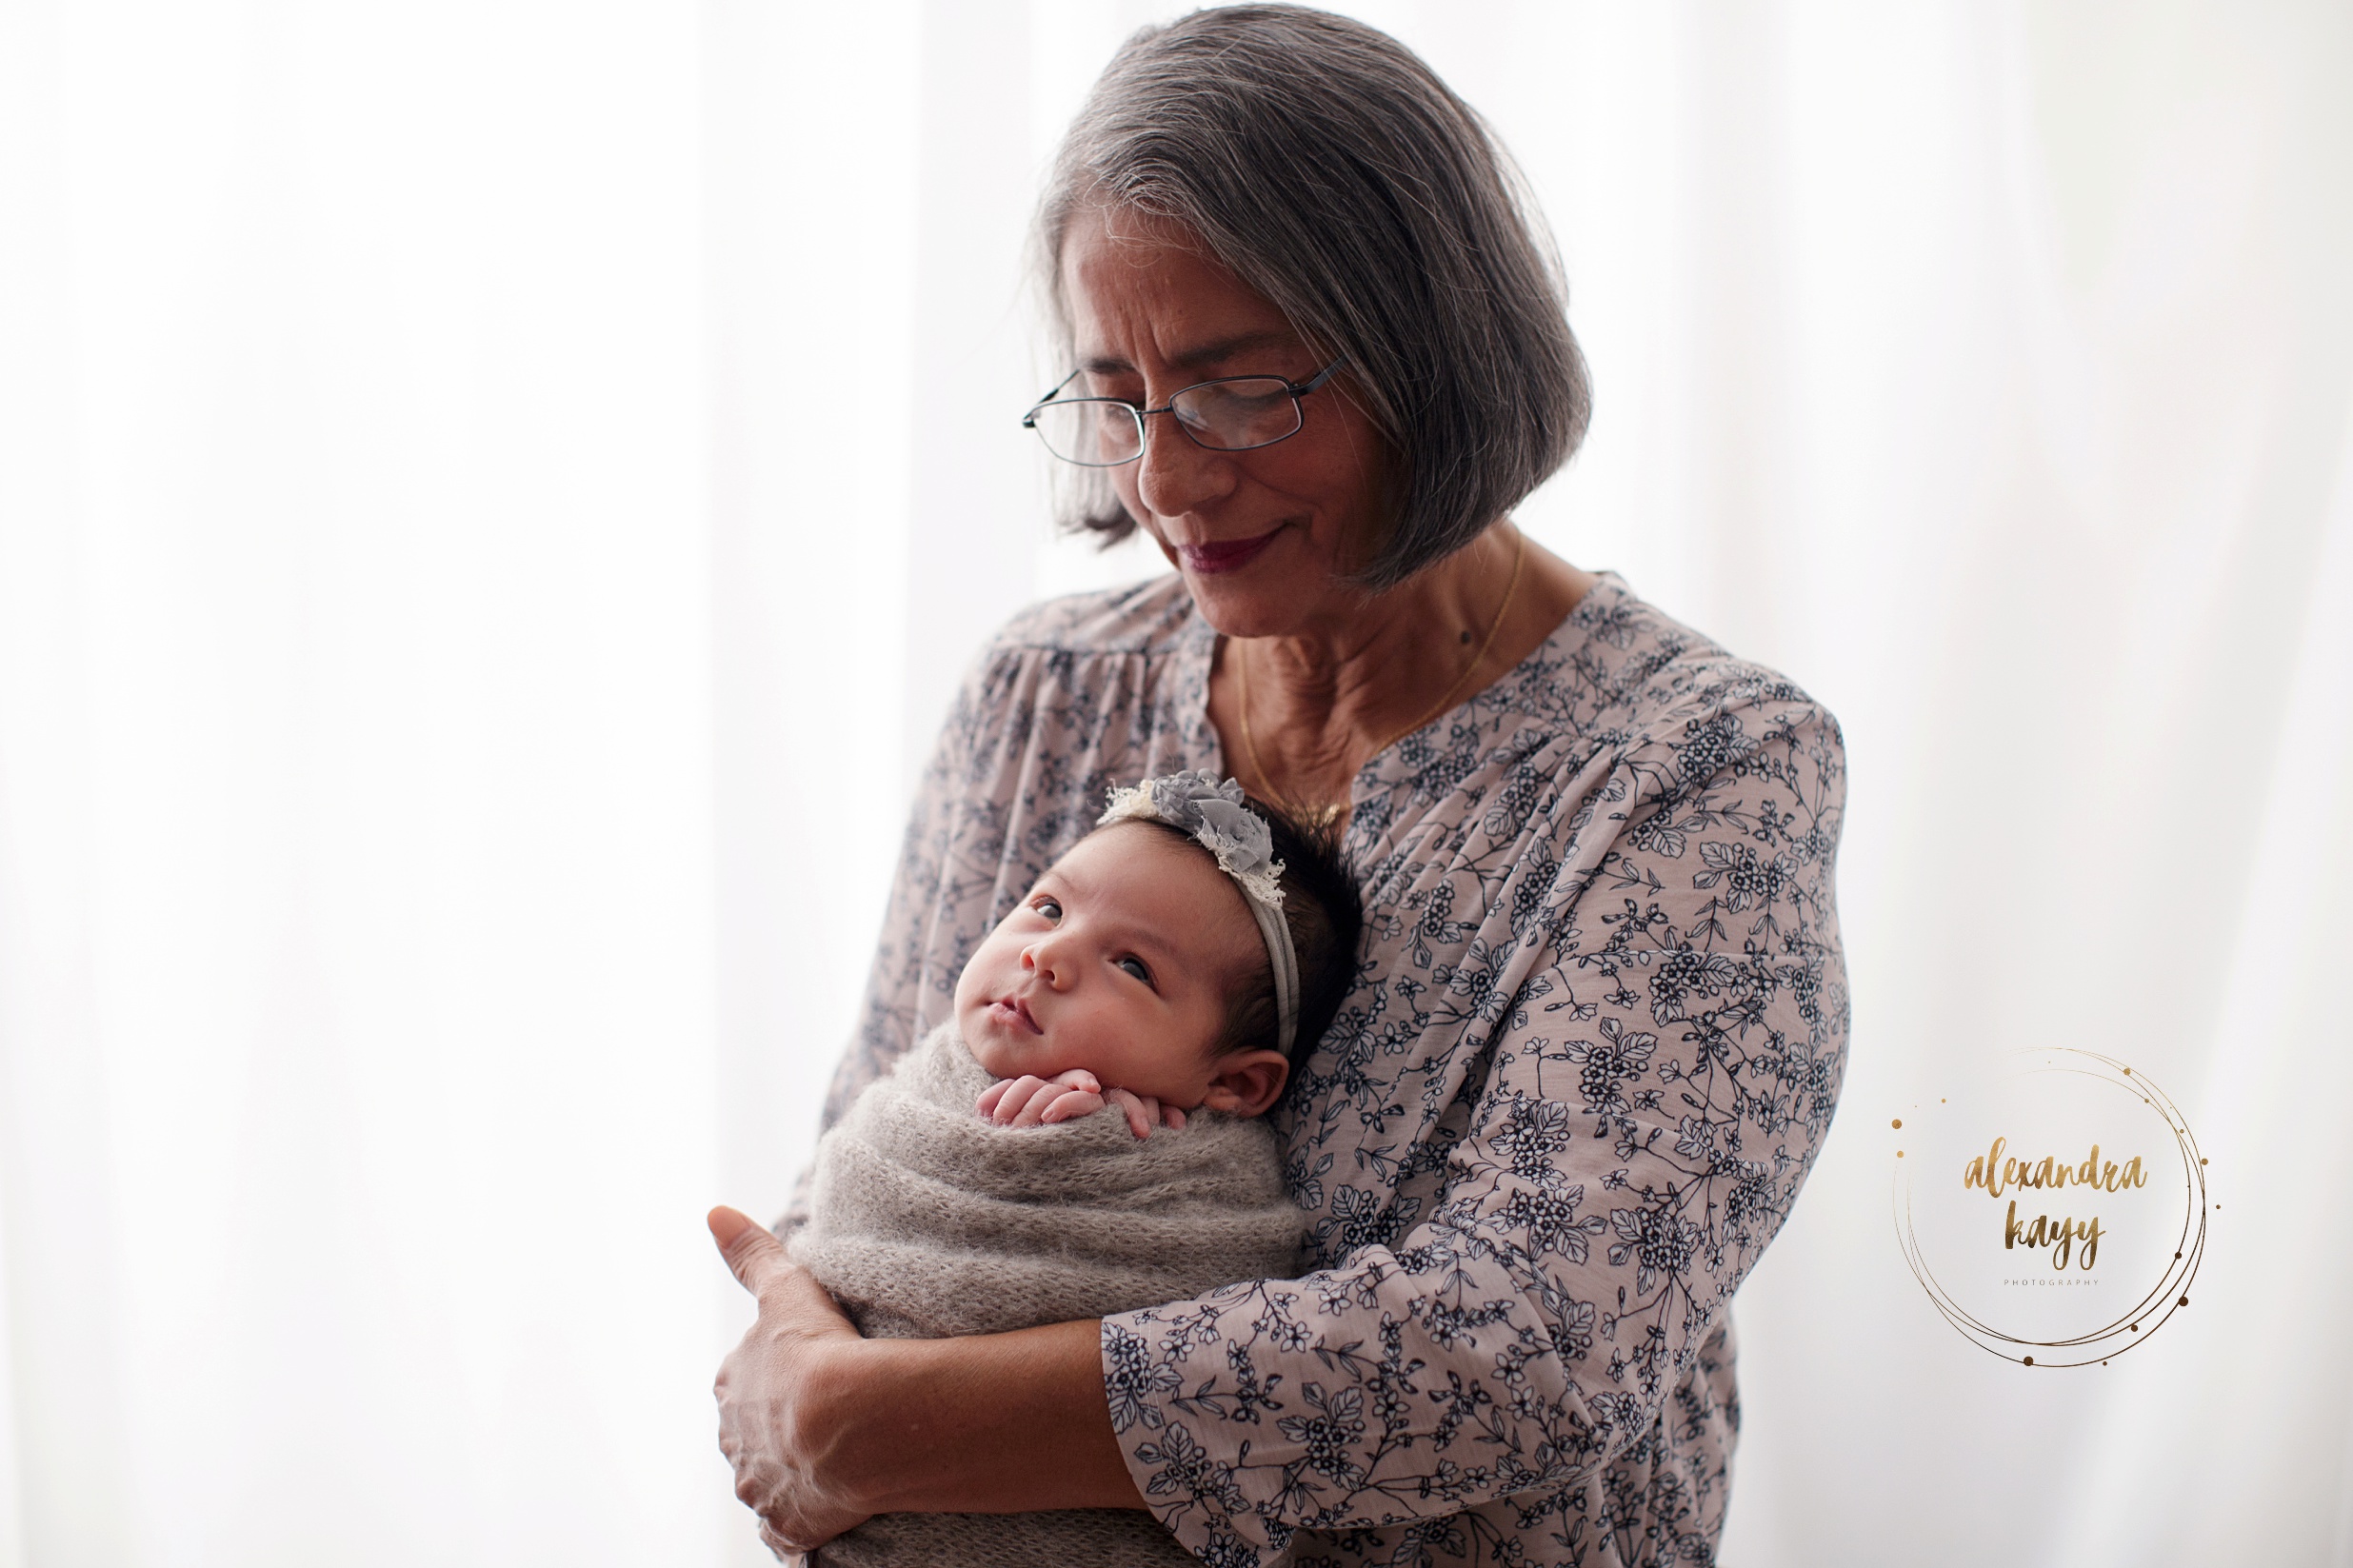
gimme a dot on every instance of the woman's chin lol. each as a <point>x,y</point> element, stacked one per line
<point>1285,588</point>
<point>1266,602</point>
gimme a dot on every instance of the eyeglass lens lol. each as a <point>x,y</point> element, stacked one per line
<point>1224,416</point>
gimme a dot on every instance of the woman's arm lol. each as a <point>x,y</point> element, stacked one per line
<point>826,1428</point>
<point>1642,1071</point>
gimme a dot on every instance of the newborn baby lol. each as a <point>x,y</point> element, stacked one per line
<point>1135,973</point>
<point>1081,1137</point>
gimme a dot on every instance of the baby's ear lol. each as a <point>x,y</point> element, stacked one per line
<point>1246,1082</point>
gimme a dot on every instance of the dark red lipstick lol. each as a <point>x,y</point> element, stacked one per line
<point>1224,555</point>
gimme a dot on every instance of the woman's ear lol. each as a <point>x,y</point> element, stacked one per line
<point>1247,1083</point>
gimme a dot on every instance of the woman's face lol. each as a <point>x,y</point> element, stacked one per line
<point>1268,538</point>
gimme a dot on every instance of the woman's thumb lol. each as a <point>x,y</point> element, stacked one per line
<point>752,1255</point>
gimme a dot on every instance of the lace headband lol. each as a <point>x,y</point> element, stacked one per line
<point>1196,803</point>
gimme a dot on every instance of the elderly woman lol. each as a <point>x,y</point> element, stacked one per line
<point>1318,352</point>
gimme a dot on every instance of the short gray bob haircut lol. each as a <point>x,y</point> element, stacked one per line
<point>1329,170</point>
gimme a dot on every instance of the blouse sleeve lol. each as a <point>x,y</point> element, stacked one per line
<point>1663,1049</point>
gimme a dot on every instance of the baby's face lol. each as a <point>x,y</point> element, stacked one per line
<point>1118,961</point>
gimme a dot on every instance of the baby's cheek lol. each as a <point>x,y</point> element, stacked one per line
<point>969,983</point>
<point>994,1059</point>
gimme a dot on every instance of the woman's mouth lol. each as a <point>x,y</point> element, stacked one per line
<point>1222,555</point>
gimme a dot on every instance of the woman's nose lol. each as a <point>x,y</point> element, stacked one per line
<point>1176,475</point>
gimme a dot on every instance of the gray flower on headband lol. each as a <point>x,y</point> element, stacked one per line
<point>1211,810</point>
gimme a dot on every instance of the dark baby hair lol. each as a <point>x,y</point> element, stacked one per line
<point>1325,915</point>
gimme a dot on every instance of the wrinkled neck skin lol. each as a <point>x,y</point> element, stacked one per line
<point>1329,692</point>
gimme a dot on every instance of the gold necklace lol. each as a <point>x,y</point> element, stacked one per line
<point>1321,817</point>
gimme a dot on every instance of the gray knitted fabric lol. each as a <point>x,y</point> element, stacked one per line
<point>927,1220</point>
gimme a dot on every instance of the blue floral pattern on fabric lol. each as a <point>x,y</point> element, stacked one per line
<point>1593,1046</point>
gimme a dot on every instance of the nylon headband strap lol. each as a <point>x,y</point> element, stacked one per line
<point>1286,960</point>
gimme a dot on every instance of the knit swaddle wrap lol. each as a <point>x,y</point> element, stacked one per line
<point>927,1220</point>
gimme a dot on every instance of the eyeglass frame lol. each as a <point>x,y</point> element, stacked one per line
<point>1295,389</point>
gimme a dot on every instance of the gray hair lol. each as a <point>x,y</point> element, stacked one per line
<point>1328,169</point>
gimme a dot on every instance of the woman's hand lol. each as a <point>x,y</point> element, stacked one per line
<point>825,1429</point>
<point>1030,1101</point>
<point>774,1389</point>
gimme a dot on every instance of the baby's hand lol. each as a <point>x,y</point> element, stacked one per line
<point>1143,1112</point>
<point>1029,1102</point>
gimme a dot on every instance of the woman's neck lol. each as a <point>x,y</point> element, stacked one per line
<point>1325,698</point>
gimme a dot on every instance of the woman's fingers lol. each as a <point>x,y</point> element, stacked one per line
<point>791,1300</point>
<point>752,1255</point>
<point>776,1543</point>
<point>771,1431</point>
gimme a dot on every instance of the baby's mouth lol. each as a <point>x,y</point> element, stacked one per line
<point>1020,1010</point>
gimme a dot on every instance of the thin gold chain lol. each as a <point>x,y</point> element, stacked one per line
<point>1320,816</point>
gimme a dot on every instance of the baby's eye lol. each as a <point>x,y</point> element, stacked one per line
<point>1137,967</point>
<point>1046,905</point>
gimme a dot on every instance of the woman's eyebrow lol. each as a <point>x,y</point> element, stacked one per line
<point>1202,355</point>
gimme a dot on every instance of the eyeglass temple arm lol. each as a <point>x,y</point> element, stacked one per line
<point>1051,392</point>
<point>1321,377</point>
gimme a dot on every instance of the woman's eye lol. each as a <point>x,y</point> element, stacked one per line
<point>1136,966</point>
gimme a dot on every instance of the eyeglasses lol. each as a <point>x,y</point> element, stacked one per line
<point>1230,414</point>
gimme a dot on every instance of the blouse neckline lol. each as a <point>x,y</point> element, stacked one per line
<point>1400,763</point>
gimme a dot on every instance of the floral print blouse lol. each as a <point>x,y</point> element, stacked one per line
<point>1594,1043</point>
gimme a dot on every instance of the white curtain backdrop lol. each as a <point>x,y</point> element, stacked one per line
<point>494,497</point>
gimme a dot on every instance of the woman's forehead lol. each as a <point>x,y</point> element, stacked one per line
<point>1150,288</point>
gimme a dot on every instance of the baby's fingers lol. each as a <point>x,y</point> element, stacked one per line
<point>1070,1104</point>
<point>1034,1104</point>
<point>991,1095</point>
<point>1016,1098</point>
<point>1141,1111</point>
